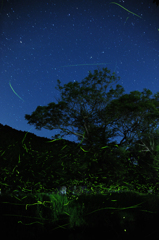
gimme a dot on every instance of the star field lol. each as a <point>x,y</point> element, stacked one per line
<point>42,41</point>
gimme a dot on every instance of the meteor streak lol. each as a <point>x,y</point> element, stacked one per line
<point>125,9</point>
<point>14,91</point>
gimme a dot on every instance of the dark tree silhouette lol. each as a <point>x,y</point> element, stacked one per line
<point>81,108</point>
<point>156,1</point>
<point>98,117</point>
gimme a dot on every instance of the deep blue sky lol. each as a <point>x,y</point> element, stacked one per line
<point>41,40</point>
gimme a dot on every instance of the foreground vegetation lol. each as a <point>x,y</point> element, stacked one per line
<point>40,165</point>
<point>116,215</point>
<point>31,163</point>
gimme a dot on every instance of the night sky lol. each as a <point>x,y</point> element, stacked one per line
<point>42,41</point>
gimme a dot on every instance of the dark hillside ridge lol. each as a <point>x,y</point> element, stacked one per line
<point>9,135</point>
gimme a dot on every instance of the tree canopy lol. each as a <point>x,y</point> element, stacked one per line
<point>135,114</point>
<point>99,116</point>
<point>80,107</point>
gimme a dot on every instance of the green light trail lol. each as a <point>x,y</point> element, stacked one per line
<point>125,9</point>
<point>14,91</point>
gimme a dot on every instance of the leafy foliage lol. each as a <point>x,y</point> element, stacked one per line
<point>96,161</point>
<point>80,107</point>
<point>99,116</point>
